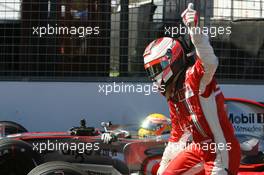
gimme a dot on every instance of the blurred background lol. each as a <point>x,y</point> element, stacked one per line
<point>55,77</point>
<point>125,29</point>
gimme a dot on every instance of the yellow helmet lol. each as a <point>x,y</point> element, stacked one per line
<point>154,125</point>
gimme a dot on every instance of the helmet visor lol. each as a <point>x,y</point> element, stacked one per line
<point>164,63</point>
<point>154,70</point>
<point>158,66</point>
<point>148,125</point>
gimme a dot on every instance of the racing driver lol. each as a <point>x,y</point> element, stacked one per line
<point>196,105</point>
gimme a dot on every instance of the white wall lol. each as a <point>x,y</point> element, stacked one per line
<point>57,106</point>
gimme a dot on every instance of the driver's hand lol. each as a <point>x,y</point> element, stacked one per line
<point>107,137</point>
<point>190,16</point>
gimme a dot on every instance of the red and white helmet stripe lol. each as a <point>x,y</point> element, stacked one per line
<point>156,49</point>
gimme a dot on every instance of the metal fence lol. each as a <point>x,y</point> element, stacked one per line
<point>89,39</point>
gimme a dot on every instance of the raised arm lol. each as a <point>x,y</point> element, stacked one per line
<point>202,45</point>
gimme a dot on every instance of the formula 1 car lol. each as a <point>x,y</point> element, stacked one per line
<point>80,150</point>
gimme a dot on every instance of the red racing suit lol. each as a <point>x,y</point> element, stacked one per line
<point>199,107</point>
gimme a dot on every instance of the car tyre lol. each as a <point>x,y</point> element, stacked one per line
<point>17,157</point>
<point>57,168</point>
<point>12,127</point>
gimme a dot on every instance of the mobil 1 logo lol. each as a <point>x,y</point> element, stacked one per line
<point>247,118</point>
